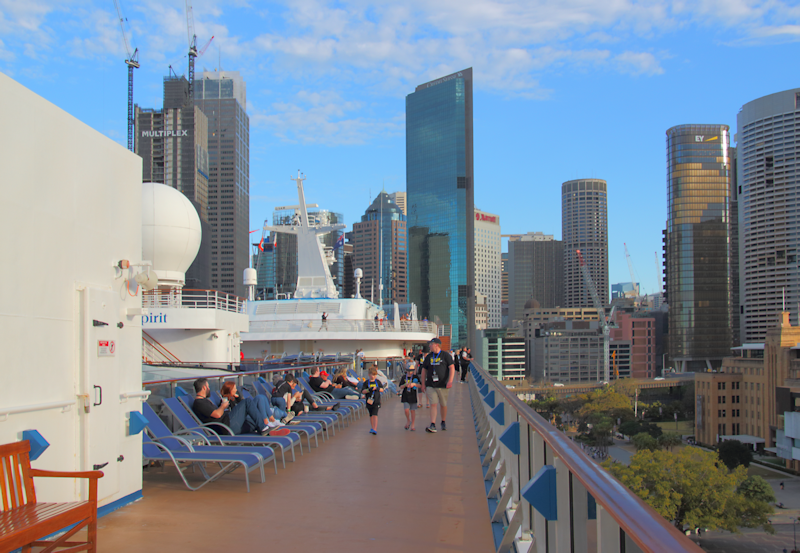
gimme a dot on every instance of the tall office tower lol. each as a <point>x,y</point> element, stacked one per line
<point>222,96</point>
<point>698,255</point>
<point>736,317</point>
<point>173,145</point>
<point>348,279</point>
<point>285,250</point>
<point>439,173</point>
<point>584,227</point>
<point>380,249</point>
<point>264,264</point>
<point>504,289</point>
<point>488,280</point>
<point>400,199</point>
<point>535,271</point>
<point>768,140</point>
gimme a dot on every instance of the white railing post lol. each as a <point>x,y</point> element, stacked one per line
<point>607,532</point>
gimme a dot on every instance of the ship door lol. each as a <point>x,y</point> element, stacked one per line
<point>103,426</point>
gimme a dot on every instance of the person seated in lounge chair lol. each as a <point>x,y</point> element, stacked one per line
<point>293,395</point>
<point>247,416</point>
<point>320,384</point>
<point>344,380</point>
<point>230,392</point>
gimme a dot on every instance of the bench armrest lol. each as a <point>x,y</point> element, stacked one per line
<point>94,474</point>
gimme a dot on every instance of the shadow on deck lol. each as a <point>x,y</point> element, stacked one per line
<point>397,491</point>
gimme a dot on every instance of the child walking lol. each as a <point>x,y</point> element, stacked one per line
<point>372,390</point>
<point>408,384</point>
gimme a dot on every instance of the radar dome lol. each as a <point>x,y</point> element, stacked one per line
<point>170,232</point>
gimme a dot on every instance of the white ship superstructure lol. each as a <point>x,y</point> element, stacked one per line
<point>293,326</point>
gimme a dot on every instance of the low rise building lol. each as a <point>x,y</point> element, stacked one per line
<point>502,352</point>
<point>640,333</point>
<point>739,402</point>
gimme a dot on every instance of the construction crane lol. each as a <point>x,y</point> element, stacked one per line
<point>633,274</point>
<point>193,51</point>
<point>601,313</point>
<point>133,63</point>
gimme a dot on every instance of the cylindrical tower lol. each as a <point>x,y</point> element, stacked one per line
<point>584,227</point>
<point>769,211</point>
<point>697,246</point>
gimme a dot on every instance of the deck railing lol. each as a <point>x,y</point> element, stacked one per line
<point>193,299</point>
<point>546,495</point>
<point>341,325</point>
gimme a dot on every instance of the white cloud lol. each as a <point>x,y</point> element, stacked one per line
<point>638,63</point>
<point>322,117</point>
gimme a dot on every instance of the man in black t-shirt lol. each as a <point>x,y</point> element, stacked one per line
<point>205,409</point>
<point>466,359</point>
<point>438,372</point>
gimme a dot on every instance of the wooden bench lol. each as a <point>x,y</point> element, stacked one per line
<point>24,521</point>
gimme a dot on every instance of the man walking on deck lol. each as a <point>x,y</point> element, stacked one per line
<point>466,359</point>
<point>438,372</point>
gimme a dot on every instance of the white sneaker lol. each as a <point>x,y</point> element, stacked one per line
<point>279,424</point>
<point>273,424</point>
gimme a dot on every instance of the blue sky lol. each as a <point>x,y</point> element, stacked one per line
<point>563,89</point>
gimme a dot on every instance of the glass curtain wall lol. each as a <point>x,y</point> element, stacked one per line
<point>698,252</point>
<point>440,202</point>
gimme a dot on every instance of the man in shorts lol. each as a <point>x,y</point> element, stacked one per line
<point>438,372</point>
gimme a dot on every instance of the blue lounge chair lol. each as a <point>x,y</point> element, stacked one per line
<point>327,419</point>
<point>308,430</point>
<point>347,406</point>
<point>181,442</point>
<point>181,409</point>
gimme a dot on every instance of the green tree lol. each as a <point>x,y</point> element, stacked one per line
<point>605,401</point>
<point>601,430</point>
<point>629,428</point>
<point>688,487</point>
<point>643,441</point>
<point>750,507</point>
<point>734,453</point>
<point>668,440</point>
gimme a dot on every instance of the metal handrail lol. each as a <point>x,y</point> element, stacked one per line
<point>37,407</point>
<point>194,299</point>
<point>340,325</point>
<point>648,529</point>
<point>250,373</point>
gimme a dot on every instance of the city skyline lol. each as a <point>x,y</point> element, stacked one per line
<point>327,82</point>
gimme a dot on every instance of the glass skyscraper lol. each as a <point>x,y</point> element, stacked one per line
<point>440,204</point>
<point>698,247</point>
<point>380,249</point>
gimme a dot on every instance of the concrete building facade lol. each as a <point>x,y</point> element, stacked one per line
<point>488,248</point>
<point>173,145</point>
<point>740,401</point>
<point>584,227</point>
<point>502,352</point>
<point>641,334</point>
<point>768,168</point>
<point>222,97</point>
<point>535,270</point>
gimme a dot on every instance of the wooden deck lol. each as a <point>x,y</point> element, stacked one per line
<point>398,491</point>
